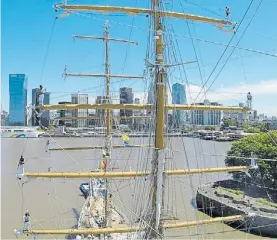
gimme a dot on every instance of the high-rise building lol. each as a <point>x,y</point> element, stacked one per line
<point>255,114</point>
<point>45,117</point>
<point>236,116</point>
<point>99,112</point>
<point>126,97</point>
<point>79,98</point>
<point>150,100</point>
<point>4,118</point>
<point>137,112</point>
<point>138,122</point>
<point>18,99</point>
<point>151,94</point>
<point>209,117</point>
<point>65,113</point>
<point>179,97</point>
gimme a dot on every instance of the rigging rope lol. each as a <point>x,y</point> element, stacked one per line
<point>47,49</point>
<point>186,158</point>
<point>224,50</point>
<point>195,53</point>
<point>236,44</point>
<point>182,36</point>
<point>128,44</point>
<point>205,8</point>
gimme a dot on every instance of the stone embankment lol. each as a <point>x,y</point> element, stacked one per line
<point>229,197</point>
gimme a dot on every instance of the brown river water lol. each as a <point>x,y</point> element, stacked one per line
<point>56,203</point>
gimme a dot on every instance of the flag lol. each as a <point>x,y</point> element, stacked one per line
<point>103,165</point>
<point>105,154</point>
<point>125,138</point>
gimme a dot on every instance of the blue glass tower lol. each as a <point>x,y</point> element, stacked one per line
<point>179,97</point>
<point>18,99</point>
<point>45,117</point>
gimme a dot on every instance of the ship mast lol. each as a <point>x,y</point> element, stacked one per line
<point>158,162</point>
<point>108,141</point>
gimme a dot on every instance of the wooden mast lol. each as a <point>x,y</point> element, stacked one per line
<point>108,141</point>
<point>107,100</point>
<point>155,230</point>
<point>107,71</point>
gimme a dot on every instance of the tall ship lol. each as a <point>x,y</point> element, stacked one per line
<point>153,208</point>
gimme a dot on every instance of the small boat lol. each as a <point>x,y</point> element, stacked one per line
<point>84,188</point>
<point>223,139</point>
<point>96,185</point>
<point>209,137</point>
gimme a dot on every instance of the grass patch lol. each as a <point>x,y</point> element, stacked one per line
<point>40,130</point>
<point>234,191</point>
<point>267,203</point>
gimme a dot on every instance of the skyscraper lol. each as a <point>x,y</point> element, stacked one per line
<point>255,113</point>
<point>4,118</point>
<point>18,99</point>
<point>126,96</point>
<point>45,117</point>
<point>65,113</point>
<point>178,97</point>
<point>151,94</point>
<point>236,116</point>
<point>210,117</point>
<point>137,112</point>
<point>137,121</point>
<point>99,112</point>
<point>79,98</point>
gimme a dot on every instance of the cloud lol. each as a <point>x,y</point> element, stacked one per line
<point>261,88</point>
<point>238,93</point>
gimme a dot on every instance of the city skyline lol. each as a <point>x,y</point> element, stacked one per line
<point>143,96</point>
<point>179,92</point>
<point>126,95</point>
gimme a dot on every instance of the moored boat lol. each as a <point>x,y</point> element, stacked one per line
<point>20,132</point>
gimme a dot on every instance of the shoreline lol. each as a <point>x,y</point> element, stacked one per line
<point>263,223</point>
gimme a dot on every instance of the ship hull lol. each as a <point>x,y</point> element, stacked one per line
<point>34,134</point>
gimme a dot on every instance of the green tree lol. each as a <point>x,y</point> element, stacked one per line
<point>227,122</point>
<point>252,130</point>
<point>262,145</point>
<point>255,127</point>
<point>212,128</point>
